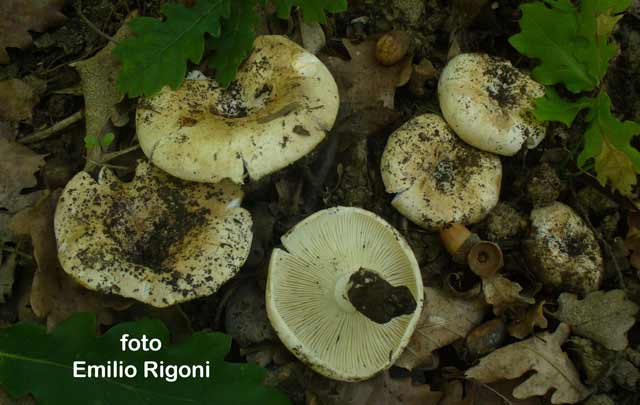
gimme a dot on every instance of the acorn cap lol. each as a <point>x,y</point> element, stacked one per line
<point>438,179</point>
<point>487,102</point>
<point>279,108</point>
<point>156,239</point>
<point>307,286</point>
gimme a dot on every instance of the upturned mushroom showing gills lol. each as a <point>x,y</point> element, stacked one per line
<point>345,294</point>
<point>156,239</point>
<point>280,107</point>
<point>487,102</point>
<point>437,179</point>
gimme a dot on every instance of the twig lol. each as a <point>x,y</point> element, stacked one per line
<point>58,126</point>
<point>112,155</point>
<point>92,25</point>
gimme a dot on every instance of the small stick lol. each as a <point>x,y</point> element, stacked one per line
<point>92,25</point>
<point>57,127</point>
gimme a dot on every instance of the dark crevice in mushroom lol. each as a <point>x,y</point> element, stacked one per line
<point>377,299</point>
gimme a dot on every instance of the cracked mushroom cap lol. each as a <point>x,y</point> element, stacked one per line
<point>437,179</point>
<point>487,101</point>
<point>156,239</point>
<point>280,107</point>
<point>307,299</point>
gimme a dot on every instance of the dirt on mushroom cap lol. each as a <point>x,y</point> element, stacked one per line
<point>156,239</point>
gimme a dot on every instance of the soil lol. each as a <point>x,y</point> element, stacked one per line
<point>333,175</point>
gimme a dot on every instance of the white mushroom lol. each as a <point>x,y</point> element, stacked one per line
<point>487,102</point>
<point>438,179</point>
<point>309,292</point>
<point>156,239</point>
<point>279,108</point>
<point>562,250</point>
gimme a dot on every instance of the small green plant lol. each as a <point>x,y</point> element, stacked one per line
<point>92,141</point>
<point>43,364</point>
<point>573,47</point>
<point>158,54</point>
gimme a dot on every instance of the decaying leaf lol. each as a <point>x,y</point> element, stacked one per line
<point>502,293</point>
<point>526,320</point>
<point>98,76</point>
<point>381,390</point>
<point>497,393</point>
<point>17,99</point>
<point>541,353</point>
<point>7,269</point>
<point>362,81</point>
<point>604,316</point>
<point>54,294</point>
<point>18,17</point>
<point>18,166</point>
<point>632,240</point>
<point>444,319</point>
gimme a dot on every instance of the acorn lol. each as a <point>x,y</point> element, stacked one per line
<point>392,47</point>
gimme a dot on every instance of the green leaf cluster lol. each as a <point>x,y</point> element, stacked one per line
<point>159,52</point>
<point>92,141</point>
<point>573,47</point>
<point>37,363</point>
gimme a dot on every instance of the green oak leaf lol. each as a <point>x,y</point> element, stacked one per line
<point>549,33</point>
<point>312,10</point>
<point>35,362</point>
<point>235,42</point>
<point>608,142</point>
<point>158,54</point>
<point>552,107</point>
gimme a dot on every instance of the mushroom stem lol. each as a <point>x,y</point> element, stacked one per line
<point>485,258</point>
<point>377,299</point>
<point>458,240</point>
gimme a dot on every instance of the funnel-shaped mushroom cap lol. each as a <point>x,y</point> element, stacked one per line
<point>307,300</point>
<point>437,178</point>
<point>487,101</point>
<point>277,111</point>
<point>156,239</point>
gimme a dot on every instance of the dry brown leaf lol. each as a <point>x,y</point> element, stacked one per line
<point>603,316</point>
<point>444,320</point>
<point>526,320</point>
<point>18,17</point>
<point>472,393</point>
<point>17,99</point>
<point>98,76</point>
<point>541,353</point>
<point>380,390</point>
<point>632,241</point>
<point>7,270</point>
<point>502,293</point>
<point>17,165</point>
<point>54,294</point>
<point>362,81</point>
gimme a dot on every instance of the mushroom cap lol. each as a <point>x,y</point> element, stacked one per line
<point>437,178</point>
<point>306,301</point>
<point>563,251</point>
<point>279,108</point>
<point>487,101</point>
<point>156,239</point>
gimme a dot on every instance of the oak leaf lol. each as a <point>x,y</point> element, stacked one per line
<point>603,316</point>
<point>444,319</point>
<point>502,294</point>
<point>17,99</point>
<point>541,353</point>
<point>18,165</point>
<point>526,319</point>
<point>18,17</point>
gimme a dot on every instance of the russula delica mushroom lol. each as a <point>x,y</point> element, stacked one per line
<point>156,239</point>
<point>437,179</point>
<point>562,250</point>
<point>280,107</point>
<point>487,101</point>
<point>315,289</point>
